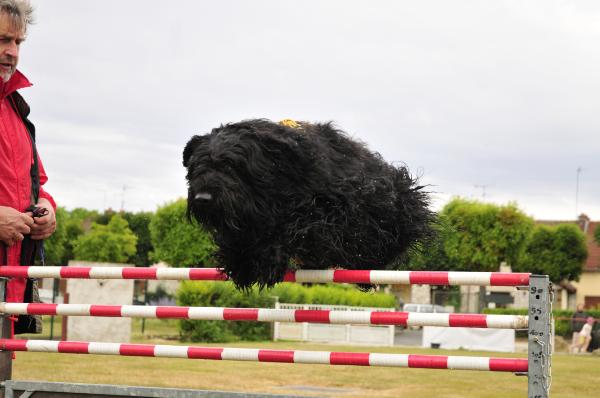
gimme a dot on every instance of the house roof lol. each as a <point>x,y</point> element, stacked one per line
<point>588,227</point>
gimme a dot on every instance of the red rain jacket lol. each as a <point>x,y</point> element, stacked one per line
<point>16,158</point>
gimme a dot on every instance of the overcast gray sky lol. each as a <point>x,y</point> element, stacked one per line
<point>494,97</point>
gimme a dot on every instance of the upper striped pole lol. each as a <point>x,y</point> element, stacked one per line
<point>303,276</point>
<point>259,355</point>
<point>272,315</point>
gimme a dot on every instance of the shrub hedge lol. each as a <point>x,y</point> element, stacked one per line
<point>224,294</point>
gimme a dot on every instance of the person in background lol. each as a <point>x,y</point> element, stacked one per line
<point>577,321</point>
<point>584,337</point>
<point>27,211</point>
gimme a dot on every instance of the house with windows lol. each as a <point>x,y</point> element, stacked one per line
<point>586,291</point>
<point>588,286</point>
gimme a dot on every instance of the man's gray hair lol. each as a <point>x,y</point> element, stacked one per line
<point>19,11</point>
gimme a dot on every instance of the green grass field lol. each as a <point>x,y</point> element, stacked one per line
<point>573,376</point>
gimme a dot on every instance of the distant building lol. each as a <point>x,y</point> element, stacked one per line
<point>587,290</point>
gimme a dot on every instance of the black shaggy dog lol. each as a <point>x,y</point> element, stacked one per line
<point>275,195</point>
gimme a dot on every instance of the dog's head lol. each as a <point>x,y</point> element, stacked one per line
<point>240,171</point>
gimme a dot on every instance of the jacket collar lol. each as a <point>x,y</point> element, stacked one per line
<point>16,82</point>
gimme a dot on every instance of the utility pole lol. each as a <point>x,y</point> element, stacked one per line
<point>579,169</point>
<point>123,197</point>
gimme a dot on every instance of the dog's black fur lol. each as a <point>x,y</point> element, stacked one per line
<point>273,194</point>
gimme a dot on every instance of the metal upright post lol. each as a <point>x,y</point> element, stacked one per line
<point>5,356</point>
<point>540,336</point>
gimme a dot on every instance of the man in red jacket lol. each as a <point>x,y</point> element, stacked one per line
<point>21,172</point>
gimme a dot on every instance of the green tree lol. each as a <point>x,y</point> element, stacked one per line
<point>54,246</point>
<point>114,243</point>
<point>76,223</point>
<point>140,225</point>
<point>431,255</point>
<point>176,240</point>
<point>558,252</point>
<point>483,235</point>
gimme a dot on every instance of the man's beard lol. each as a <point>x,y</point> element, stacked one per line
<point>6,74</point>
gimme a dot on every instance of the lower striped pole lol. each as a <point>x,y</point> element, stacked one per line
<point>260,355</point>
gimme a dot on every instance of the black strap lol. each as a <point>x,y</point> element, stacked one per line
<point>29,247</point>
<point>21,108</point>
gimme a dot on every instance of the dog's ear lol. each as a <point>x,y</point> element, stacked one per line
<point>191,146</point>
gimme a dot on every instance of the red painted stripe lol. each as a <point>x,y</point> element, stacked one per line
<point>14,271</point>
<point>240,314</point>
<point>138,350</point>
<point>428,361</point>
<point>349,358</point>
<point>389,318</point>
<point>75,272</point>
<point>105,310</point>
<point>290,276</point>
<point>468,320</point>
<point>41,309</point>
<point>13,345</point>
<point>505,279</point>
<point>508,365</point>
<point>318,316</point>
<point>73,347</point>
<point>429,278</point>
<point>139,273</point>
<point>205,353</point>
<point>351,276</point>
<point>207,274</point>
<point>172,312</point>
<point>276,356</point>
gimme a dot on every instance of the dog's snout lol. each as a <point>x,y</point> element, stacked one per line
<point>203,196</point>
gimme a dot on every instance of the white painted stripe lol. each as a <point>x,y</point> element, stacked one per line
<point>73,309</point>
<point>397,360</point>
<point>426,319</point>
<point>240,354</point>
<point>173,274</point>
<point>323,357</point>
<point>469,363</point>
<point>171,351</point>
<point>360,317</point>
<point>138,311</point>
<point>42,345</point>
<point>390,277</point>
<point>206,313</point>
<point>276,315</point>
<point>104,348</point>
<point>106,273</point>
<point>13,308</point>
<point>316,276</point>
<point>44,272</point>
<point>469,278</point>
<point>507,321</point>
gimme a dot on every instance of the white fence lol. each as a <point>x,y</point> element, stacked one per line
<point>331,333</point>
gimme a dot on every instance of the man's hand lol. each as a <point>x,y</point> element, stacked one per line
<point>43,226</point>
<point>13,225</point>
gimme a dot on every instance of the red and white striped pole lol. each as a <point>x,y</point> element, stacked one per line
<point>302,276</point>
<point>272,315</point>
<point>260,355</point>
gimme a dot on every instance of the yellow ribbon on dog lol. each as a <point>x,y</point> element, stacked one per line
<point>290,123</point>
